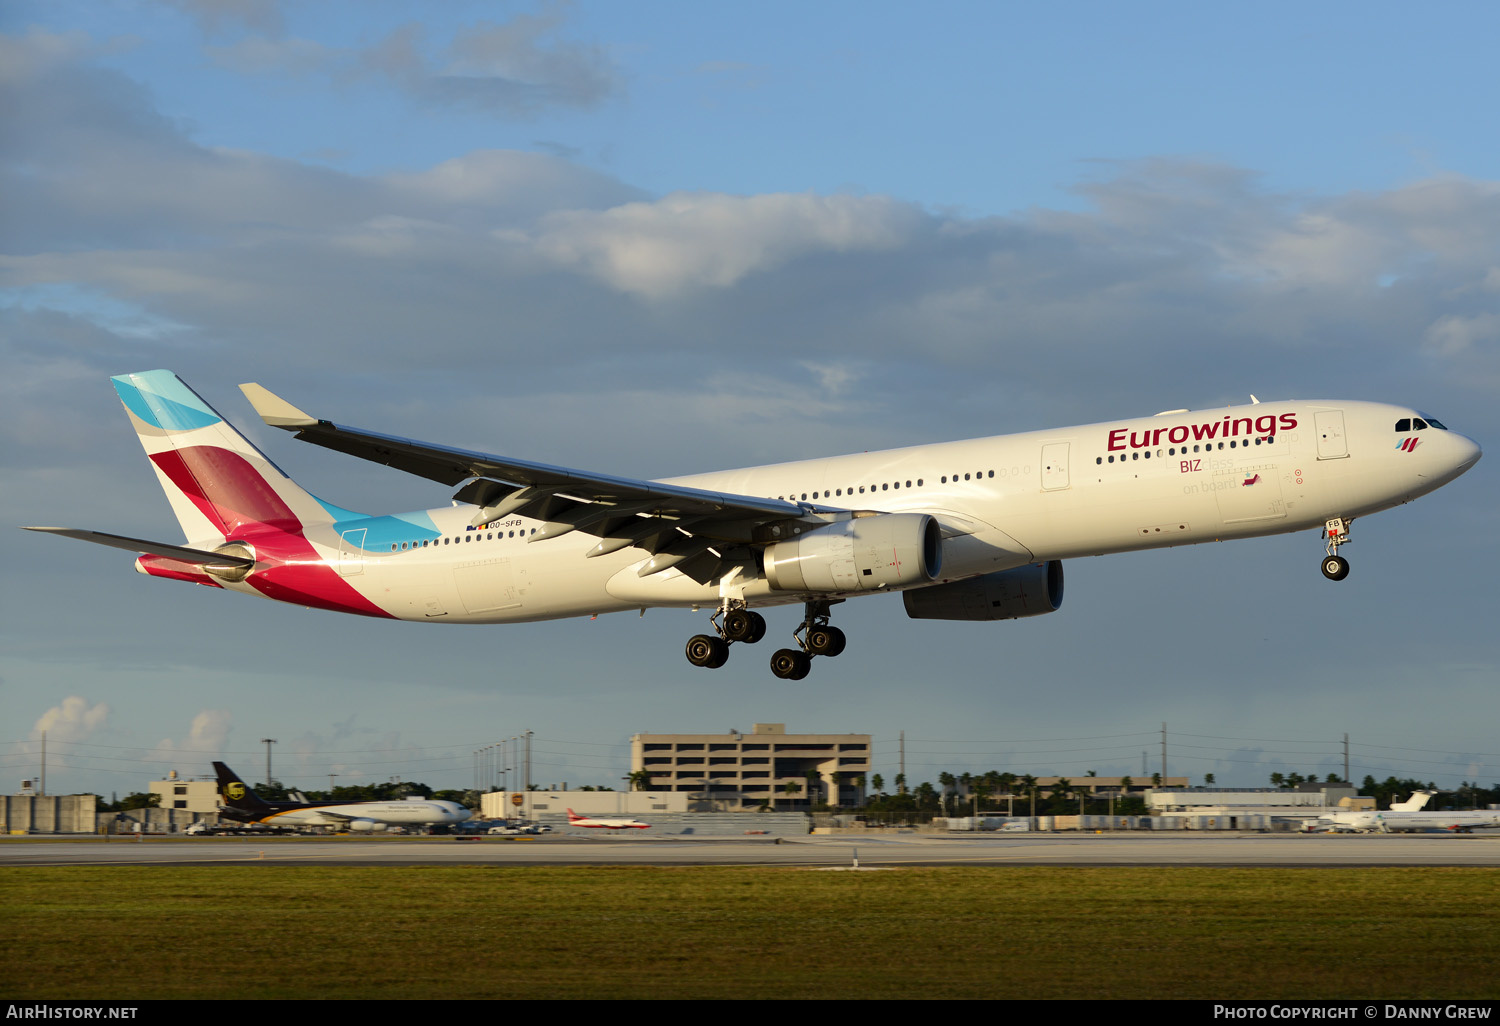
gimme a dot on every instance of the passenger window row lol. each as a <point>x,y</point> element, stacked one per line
<point>455,539</point>
<point>840,492</point>
<point>1241,443</point>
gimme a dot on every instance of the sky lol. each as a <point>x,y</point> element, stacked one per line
<point>661,238</point>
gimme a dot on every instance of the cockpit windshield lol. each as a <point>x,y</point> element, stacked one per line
<point>1418,423</point>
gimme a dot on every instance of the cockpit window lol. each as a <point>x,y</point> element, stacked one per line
<point>1404,424</point>
<point>1419,423</point>
<point>1435,424</point>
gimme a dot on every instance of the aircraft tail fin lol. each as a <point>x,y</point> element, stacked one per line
<point>238,796</point>
<point>1415,803</point>
<point>218,483</point>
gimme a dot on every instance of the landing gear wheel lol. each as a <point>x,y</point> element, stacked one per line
<point>826,641</point>
<point>738,625</point>
<point>743,625</point>
<point>1335,568</point>
<point>706,651</point>
<point>789,664</point>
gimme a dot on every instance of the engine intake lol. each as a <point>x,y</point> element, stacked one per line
<point>1003,595</point>
<point>888,550</point>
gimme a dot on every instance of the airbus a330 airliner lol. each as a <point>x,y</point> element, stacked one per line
<point>971,530</point>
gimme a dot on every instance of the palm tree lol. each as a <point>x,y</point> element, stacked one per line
<point>982,792</point>
<point>791,788</point>
<point>922,794</point>
<point>1028,787</point>
<point>1007,784</point>
<point>1062,789</point>
<point>814,782</point>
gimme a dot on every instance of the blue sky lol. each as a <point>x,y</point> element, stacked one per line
<point>655,239</point>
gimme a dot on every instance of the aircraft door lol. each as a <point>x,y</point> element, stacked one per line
<point>352,552</point>
<point>1054,466</point>
<point>486,585</point>
<point>1333,444</point>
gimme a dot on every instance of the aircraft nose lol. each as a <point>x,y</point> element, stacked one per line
<point>1465,452</point>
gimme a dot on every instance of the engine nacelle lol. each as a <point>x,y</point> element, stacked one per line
<point>887,550</point>
<point>372,826</point>
<point>1004,595</point>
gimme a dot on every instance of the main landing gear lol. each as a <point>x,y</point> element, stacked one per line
<point>1335,566</point>
<point>740,624</point>
<point>814,636</point>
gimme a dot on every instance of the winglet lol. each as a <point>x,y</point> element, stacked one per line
<point>275,410</point>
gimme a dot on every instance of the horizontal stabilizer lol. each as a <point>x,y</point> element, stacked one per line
<point>177,552</point>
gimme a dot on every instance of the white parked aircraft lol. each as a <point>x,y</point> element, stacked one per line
<point>574,819</point>
<point>971,530</point>
<point>1411,814</point>
<point>245,806</point>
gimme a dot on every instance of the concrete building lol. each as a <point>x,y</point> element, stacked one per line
<point>1231,806</point>
<point>544,805</point>
<point>47,814</point>
<point>183,795</point>
<point>743,772</point>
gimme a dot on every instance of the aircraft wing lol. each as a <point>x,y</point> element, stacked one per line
<point>334,818</point>
<point>680,526</point>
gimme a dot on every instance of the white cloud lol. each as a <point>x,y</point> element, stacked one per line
<point>709,239</point>
<point>515,69</point>
<point>215,16</point>
<point>207,734</point>
<point>1452,334</point>
<point>260,55</point>
<point>72,720</point>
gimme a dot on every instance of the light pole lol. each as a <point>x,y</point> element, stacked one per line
<point>268,742</point>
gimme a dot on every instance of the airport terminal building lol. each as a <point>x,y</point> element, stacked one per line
<point>766,768</point>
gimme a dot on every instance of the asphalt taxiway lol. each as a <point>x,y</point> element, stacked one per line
<point>886,851</point>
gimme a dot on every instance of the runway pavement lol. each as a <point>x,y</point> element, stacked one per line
<point>887,851</point>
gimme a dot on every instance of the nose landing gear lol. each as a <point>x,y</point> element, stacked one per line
<point>1335,566</point>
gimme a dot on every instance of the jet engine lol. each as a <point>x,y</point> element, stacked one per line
<point>886,550</point>
<point>1003,595</point>
<point>365,825</point>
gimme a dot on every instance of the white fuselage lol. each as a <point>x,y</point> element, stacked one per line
<point>1003,502</point>
<point>1420,820</point>
<point>423,813</point>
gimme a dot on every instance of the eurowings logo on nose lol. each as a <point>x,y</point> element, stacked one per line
<point>1409,444</point>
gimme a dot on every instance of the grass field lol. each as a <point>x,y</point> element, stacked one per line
<point>477,932</point>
